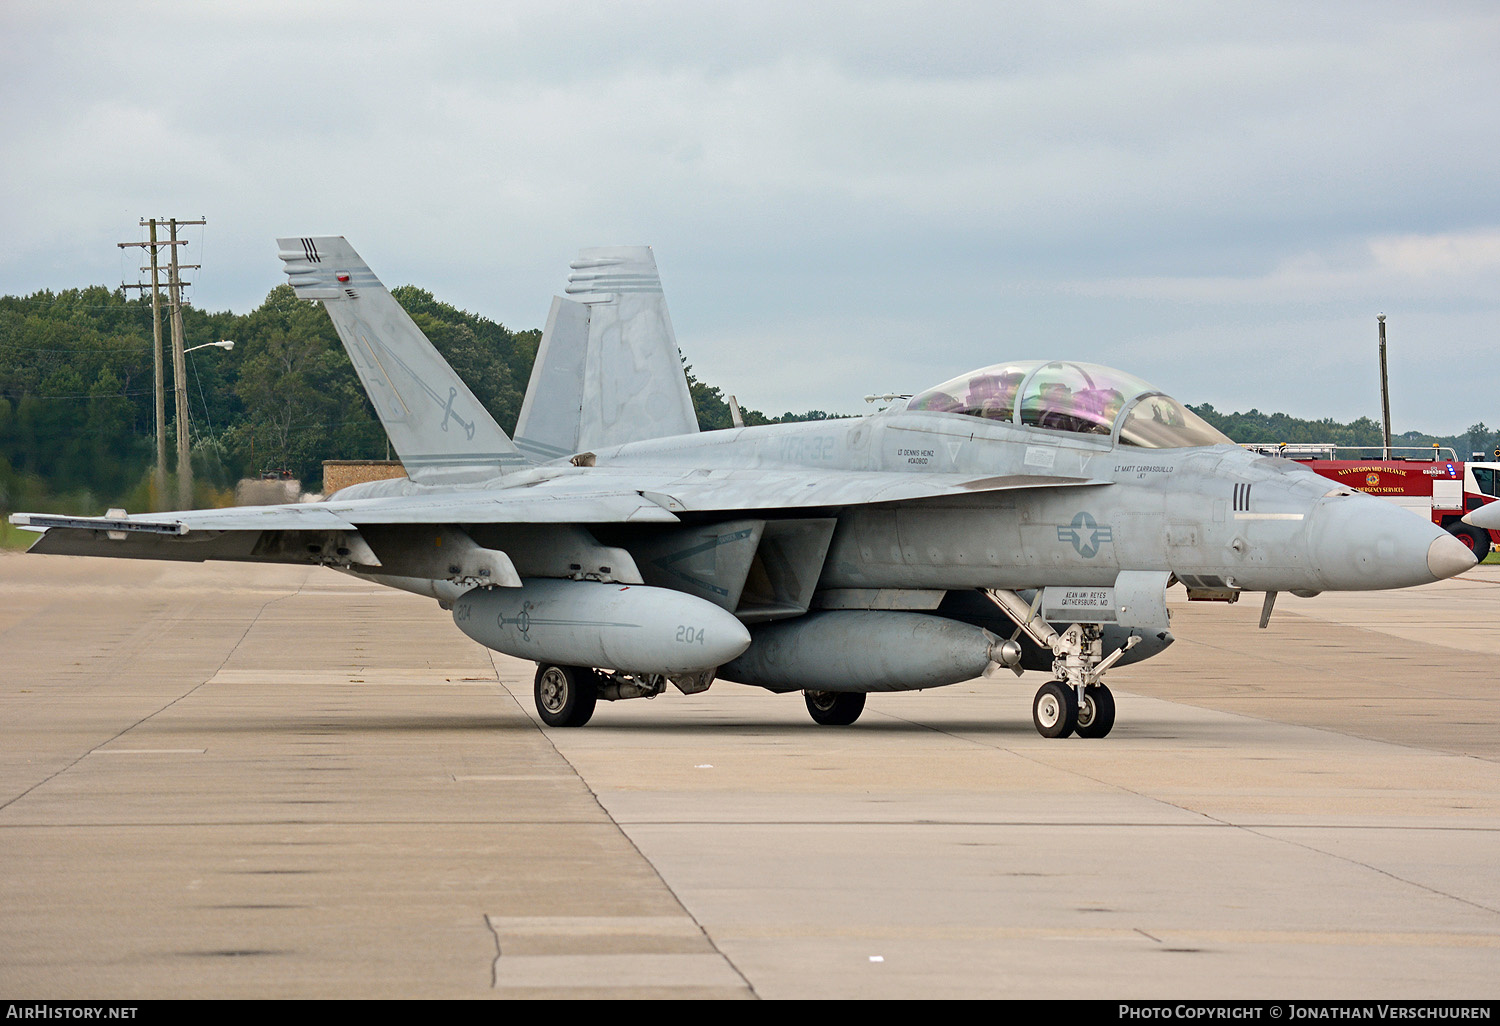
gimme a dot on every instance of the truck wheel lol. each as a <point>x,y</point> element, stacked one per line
<point>1478,541</point>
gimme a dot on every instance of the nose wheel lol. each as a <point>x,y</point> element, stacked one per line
<point>1096,713</point>
<point>1054,710</point>
<point>1057,711</point>
<point>1078,702</point>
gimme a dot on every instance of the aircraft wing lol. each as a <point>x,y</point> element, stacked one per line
<point>306,532</point>
<point>574,499</point>
<point>531,507</point>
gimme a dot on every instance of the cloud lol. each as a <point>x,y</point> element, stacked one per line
<point>1452,266</point>
<point>871,180</point>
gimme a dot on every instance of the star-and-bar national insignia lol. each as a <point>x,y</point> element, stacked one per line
<point>1086,535</point>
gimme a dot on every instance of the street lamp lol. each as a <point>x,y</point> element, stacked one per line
<point>221,344</point>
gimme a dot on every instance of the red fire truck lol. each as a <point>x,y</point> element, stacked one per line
<point>1430,482</point>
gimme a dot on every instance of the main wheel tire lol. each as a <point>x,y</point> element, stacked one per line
<point>1096,713</point>
<point>1054,710</point>
<point>835,708</point>
<point>565,695</point>
<point>1477,540</point>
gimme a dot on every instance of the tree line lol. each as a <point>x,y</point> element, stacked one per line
<point>77,406</point>
<point>1257,428</point>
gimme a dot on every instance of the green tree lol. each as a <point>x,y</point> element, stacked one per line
<point>294,382</point>
<point>111,447</point>
<point>482,352</point>
<point>1480,440</point>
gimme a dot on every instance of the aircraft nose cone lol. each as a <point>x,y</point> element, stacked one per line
<point>1360,543</point>
<point>1447,556</point>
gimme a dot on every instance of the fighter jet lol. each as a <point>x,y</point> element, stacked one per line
<point>1028,515</point>
<point>1486,516</point>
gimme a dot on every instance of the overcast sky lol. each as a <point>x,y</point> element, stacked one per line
<point>842,198</point>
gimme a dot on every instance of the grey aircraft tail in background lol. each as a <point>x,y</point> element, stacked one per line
<point>1025,516</point>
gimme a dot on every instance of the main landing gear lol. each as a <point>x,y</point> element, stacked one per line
<point>835,708</point>
<point>566,695</point>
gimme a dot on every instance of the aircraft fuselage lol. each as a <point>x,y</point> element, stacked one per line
<point>1217,514</point>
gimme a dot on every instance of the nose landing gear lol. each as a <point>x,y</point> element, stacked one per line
<point>1078,701</point>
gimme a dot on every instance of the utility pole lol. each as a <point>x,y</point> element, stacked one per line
<point>159,495</point>
<point>1385,391</point>
<point>179,375</point>
<point>184,463</point>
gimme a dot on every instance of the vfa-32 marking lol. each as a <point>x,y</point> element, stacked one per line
<point>1024,516</point>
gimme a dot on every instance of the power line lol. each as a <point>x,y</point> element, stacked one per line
<point>76,349</point>
<point>39,395</point>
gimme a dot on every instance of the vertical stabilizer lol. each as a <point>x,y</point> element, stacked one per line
<point>432,419</point>
<point>607,370</point>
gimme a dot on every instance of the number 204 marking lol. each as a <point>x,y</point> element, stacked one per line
<point>688,636</point>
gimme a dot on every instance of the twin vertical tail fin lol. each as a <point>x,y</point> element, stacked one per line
<point>607,370</point>
<point>434,422</point>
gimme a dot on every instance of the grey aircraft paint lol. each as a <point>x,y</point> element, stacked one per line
<point>1025,516</point>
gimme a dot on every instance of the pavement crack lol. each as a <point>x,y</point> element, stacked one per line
<point>625,834</point>
<point>1373,869</point>
<point>158,711</point>
<point>495,963</point>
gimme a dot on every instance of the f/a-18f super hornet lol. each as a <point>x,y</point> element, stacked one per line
<point>1486,516</point>
<point>1025,516</point>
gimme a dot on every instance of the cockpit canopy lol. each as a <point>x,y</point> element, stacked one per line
<point>1081,398</point>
